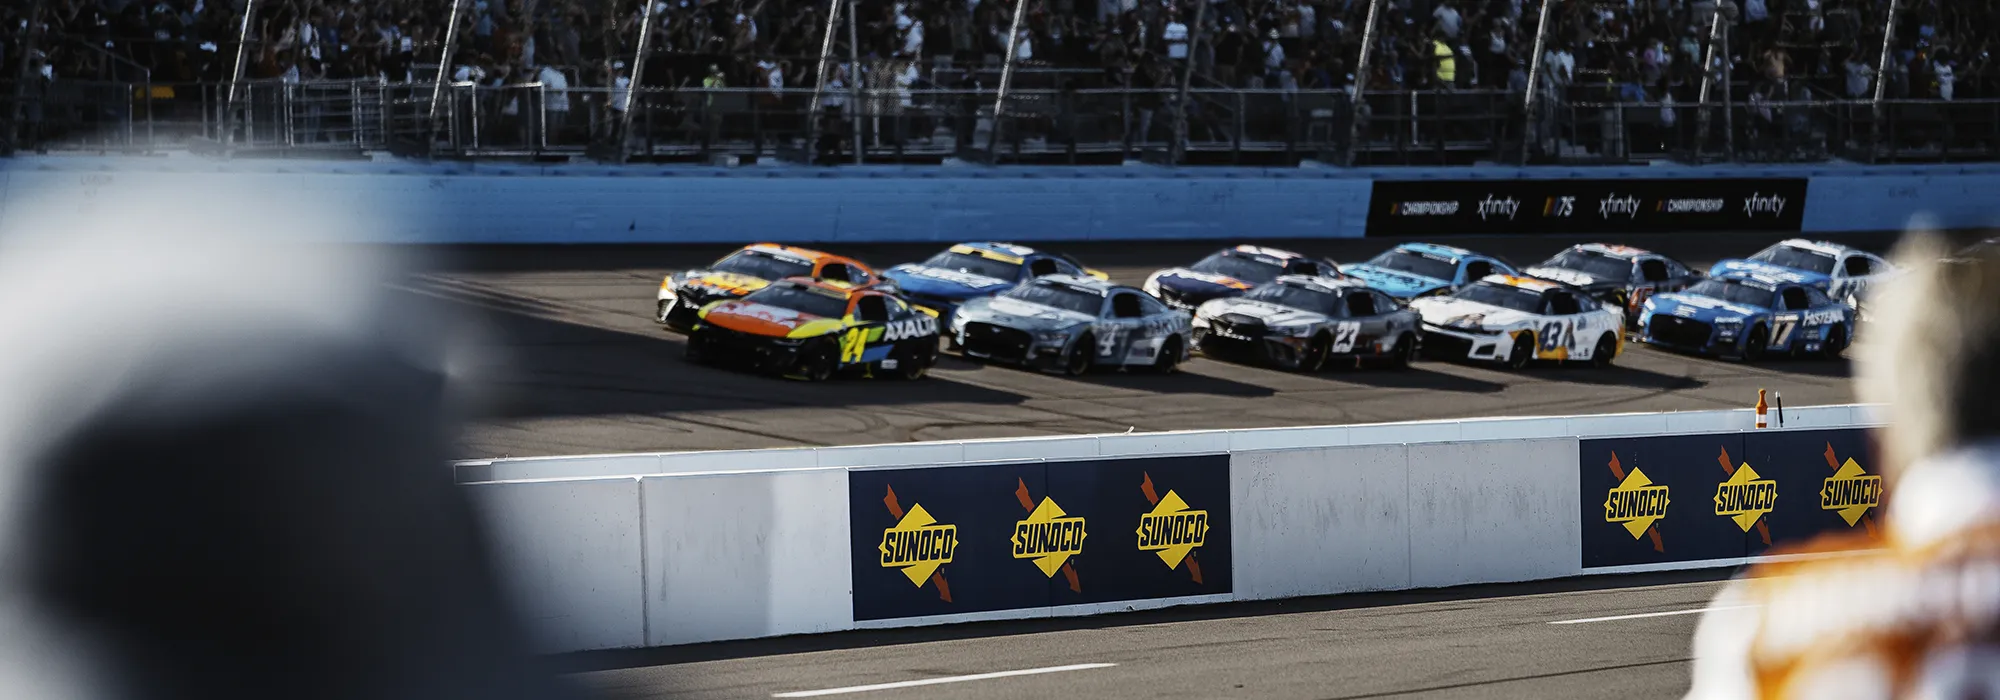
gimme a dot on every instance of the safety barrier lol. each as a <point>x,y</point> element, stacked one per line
<point>647,550</point>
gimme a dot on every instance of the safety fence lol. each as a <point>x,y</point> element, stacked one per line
<point>1037,126</point>
<point>660,549</point>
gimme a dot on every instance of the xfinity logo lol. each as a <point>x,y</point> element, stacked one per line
<point>1507,206</point>
<point>1627,205</point>
<point>1763,204</point>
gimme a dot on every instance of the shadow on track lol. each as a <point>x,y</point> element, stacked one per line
<point>581,662</point>
<point>1418,376</point>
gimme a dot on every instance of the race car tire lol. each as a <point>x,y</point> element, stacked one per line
<point>1169,358</point>
<point>817,361</point>
<point>1524,350</point>
<point>1077,362</point>
<point>1836,342</point>
<point>1605,353</point>
<point>912,362</point>
<point>1404,353</point>
<point>696,350</point>
<point>1755,343</point>
<point>1314,358</point>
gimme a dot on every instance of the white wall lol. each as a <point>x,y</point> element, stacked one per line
<point>1319,521</point>
<point>1482,512</point>
<point>569,552</point>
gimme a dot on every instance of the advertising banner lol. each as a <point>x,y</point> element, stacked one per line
<point>1454,207</point>
<point>1686,498</point>
<point>950,540</point>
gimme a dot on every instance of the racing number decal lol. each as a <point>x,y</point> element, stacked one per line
<point>1783,333</point>
<point>1344,335</point>
<point>1555,334</point>
<point>852,344</point>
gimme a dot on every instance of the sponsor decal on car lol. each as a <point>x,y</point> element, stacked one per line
<point>922,325</point>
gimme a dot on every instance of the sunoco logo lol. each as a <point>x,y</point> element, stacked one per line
<point>918,545</point>
<point>1171,529</point>
<point>1851,491</point>
<point>1048,537</point>
<point>1745,497</point>
<point>1635,503</point>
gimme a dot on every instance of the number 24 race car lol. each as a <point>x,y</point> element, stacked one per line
<point>812,330</point>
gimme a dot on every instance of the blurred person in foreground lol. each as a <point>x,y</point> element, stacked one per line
<point>225,471</point>
<point>1917,616</point>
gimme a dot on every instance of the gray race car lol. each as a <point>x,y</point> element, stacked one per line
<point>1300,323</point>
<point>1074,324</point>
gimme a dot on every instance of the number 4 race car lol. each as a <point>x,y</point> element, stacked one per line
<point>1074,324</point>
<point>1511,320</point>
<point>812,329</point>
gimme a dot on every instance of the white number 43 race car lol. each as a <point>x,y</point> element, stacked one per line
<point>1512,320</point>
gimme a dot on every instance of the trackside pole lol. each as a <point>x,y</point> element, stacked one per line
<point>1006,81</point>
<point>624,131</point>
<point>444,68</point>
<point>819,82</point>
<point>1529,132</point>
<point>1360,85</point>
<point>236,76</point>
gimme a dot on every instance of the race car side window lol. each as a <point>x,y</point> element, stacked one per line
<point>1795,299</point>
<point>1042,267</point>
<point>1857,266</point>
<point>897,309</point>
<point>1126,305</point>
<point>871,308</point>
<point>1384,304</point>
<point>1304,267</point>
<point>1653,270</point>
<point>1563,303</point>
<point>1477,270</point>
<point>837,272</point>
<point>1151,306</point>
<point>1816,297</point>
<point>1360,304</point>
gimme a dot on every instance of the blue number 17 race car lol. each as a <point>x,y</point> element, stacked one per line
<point>1748,315</point>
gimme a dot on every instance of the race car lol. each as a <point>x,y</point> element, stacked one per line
<point>1622,275</point>
<point>1840,271</point>
<point>813,329</point>
<point>1300,323</point>
<point>1414,270</point>
<point>747,270</point>
<point>1072,323</point>
<point>1230,272</point>
<point>1511,320</point>
<point>972,270</point>
<point>1748,315</point>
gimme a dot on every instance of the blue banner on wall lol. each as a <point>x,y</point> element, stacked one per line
<point>1687,498</point>
<point>963,539</point>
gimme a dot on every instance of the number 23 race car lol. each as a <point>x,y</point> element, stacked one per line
<point>812,330</point>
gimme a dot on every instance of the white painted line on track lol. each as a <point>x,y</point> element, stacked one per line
<point>936,681</point>
<point>1651,614</point>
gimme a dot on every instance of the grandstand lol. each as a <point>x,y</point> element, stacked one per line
<point>1187,81</point>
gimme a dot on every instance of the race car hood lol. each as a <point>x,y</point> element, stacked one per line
<point>731,283</point>
<point>1199,284</point>
<point>765,320</point>
<point>1788,274</point>
<point>1014,313</point>
<point>1398,284</point>
<point>1267,313</point>
<point>1452,312</point>
<point>1568,276</point>
<point>941,282</point>
<point>1702,308</point>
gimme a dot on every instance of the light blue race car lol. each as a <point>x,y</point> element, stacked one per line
<point>1414,270</point>
<point>974,270</point>
<point>1840,271</point>
<point>1748,315</point>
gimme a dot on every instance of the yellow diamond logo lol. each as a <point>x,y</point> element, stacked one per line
<point>1745,497</point>
<point>1048,538</point>
<point>1171,530</point>
<point>1635,503</point>
<point>1851,491</point>
<point>918,545</point>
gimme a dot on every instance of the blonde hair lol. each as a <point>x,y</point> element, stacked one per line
<point>1931,351</point>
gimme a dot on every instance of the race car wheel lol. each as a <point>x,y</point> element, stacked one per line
<point>696,350</point>
<point>1836,342</point>
<point>1524,350</point>
<point>913,362</point>
<point>1753,346</point>
<point>1169,358</point>
<point>1607,350</point>
<point>1315,354</point>
<point>1077,362</point>
<point>1405,352</point>
<point>817,361</point>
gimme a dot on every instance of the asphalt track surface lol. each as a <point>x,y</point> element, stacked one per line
<point>571,363</point>
<point>1543,640</point>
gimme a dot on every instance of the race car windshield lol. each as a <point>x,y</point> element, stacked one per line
<point>1796,258</point>
<point>1594,264</point>
<point>975,264</point>
<point>1732,292</point>
<point>802,300</point>
<point>762,265</point>
<point>1503,296</point>
<point>1059,297</point>
<point>1286,295</point>
<point>1416,264</point>
<point>1248,269</point>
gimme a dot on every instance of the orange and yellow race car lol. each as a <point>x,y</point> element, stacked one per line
<point>813,329</point>
<point>747,270</point>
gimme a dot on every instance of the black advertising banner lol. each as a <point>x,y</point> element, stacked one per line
<point>963,539</point>
<point>1720,496</point>
<point>1454,207</point>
